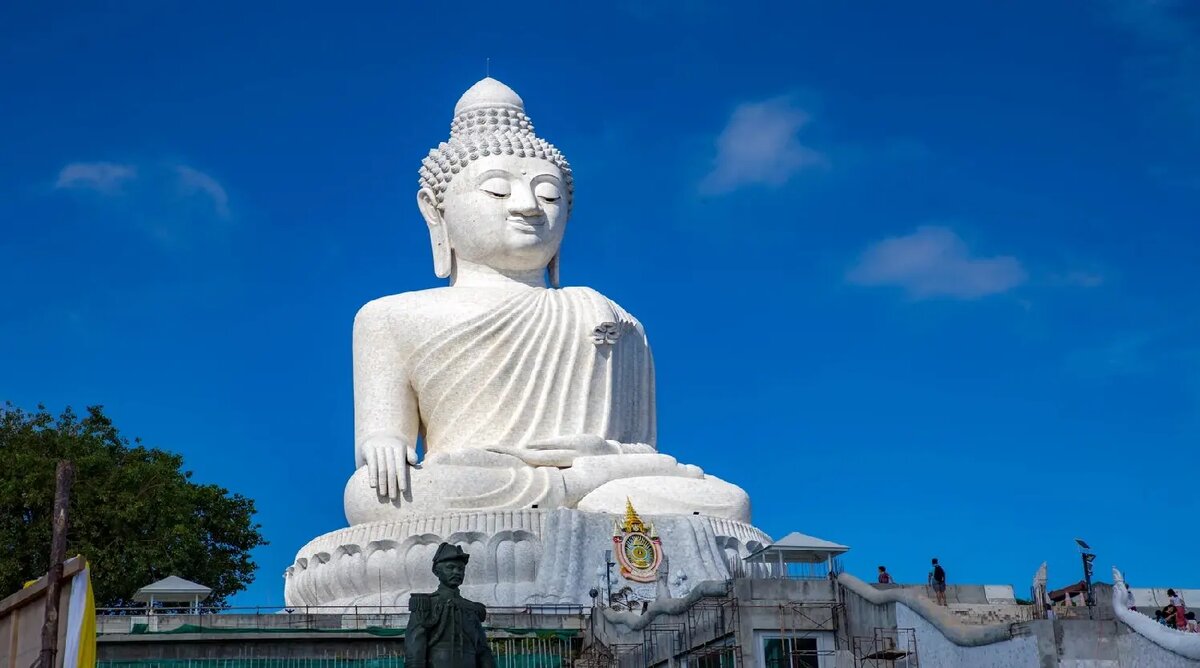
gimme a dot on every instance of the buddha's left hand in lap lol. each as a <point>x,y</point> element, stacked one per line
<point>562,451</point>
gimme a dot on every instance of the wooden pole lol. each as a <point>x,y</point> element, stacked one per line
<point>63,477</point>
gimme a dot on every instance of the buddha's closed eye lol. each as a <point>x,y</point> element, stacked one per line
<point>547,192</point>
<point>498,188</point>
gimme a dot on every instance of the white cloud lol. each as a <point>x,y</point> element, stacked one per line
<point>935,262</point>
<point>759,146</point>
<point>193,181</point>
<point>174,203</point>
<point>102,177</point>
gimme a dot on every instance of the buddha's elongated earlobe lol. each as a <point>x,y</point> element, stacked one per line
<point>439,240</point>
<point>443,258</point>
<point>553,270</point>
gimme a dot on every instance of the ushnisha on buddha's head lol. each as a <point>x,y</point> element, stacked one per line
<point>496,197</point>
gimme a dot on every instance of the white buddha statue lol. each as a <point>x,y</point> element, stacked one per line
<point>521,394</point>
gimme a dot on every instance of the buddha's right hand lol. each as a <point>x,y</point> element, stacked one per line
<point>388,459</point>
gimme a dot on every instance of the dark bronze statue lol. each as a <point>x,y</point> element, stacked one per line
<point>445,630</point>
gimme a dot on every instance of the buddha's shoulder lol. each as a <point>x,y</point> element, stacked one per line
<point>447,305</point>
<point>432,306</point>
<point>405,303</point>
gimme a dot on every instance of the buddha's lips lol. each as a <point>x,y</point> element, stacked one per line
<point>527,224</point>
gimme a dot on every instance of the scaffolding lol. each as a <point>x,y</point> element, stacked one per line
<point>709,634</point>
<point>886,648</point>
<point>799,626</point>
<point>703,636</point>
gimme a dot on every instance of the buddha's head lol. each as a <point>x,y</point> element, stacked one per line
<point>495,194</point>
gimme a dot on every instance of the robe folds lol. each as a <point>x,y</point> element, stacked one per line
<point>541,364</point>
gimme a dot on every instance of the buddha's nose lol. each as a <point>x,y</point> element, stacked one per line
<point>523,203</point>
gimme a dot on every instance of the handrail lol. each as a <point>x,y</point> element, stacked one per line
<point>1180,643</point>
<point>955,631</point>
<point>564,609</point>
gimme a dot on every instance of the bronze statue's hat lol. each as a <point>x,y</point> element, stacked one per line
<point>448,552</point>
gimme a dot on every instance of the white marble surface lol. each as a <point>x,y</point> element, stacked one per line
<point>526,398</point>
<point>1183,645</point>
<point>518,557</point>
<point>523,395</point>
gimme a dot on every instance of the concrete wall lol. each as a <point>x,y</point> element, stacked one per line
<point>934,650</point>
<point>862,617</point>
<point>784,608</point>
<point>782,591</point>
<point>959,593</point>
<point>1086,643</point>
<point>1136,651</point>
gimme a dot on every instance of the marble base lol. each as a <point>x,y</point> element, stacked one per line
<point>518,557</point>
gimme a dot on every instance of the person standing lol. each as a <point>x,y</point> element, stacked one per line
<point>885,578</point>
<point>937,581</point>
<point>1180,609</point>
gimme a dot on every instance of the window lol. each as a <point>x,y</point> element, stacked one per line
<point>790,653</point>
<point>722,659</point>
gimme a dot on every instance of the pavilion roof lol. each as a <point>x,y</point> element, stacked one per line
<point>173,589</point>
<point>798,547</point>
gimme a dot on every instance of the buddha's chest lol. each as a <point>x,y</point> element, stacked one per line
<point>581,312</point>
<point>551,327</point>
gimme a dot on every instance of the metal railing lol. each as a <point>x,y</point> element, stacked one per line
<point>140,620</point>
<point>508,653</point>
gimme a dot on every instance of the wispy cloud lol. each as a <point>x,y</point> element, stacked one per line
<point>935,262</point>
<point>102,177</point>
<point>195,182</point>
<point>175,203</point>
<point>759,145</point>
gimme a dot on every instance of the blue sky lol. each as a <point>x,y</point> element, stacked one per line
<point>919,276</point>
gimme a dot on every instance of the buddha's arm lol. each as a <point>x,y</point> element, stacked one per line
<point>386,420</point>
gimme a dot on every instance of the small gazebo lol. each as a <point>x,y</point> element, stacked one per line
<point>173,589</point>
<point>795,556</point>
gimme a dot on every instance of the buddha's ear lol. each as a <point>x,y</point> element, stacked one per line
<point>439,240</point>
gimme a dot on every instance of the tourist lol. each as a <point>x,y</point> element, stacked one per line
<point>1050,612</point>
<point>1158,616</point>
<point>1129,600</point>
<point>1180,610</point>
<point>885,578</point>
<point>1168,616</point>
<point>1191,622</point>
<point>937,581</point>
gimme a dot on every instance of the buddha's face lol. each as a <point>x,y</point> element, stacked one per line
<point>504,212</point>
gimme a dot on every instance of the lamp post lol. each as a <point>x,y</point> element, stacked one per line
<point>1088,557</point>
<point>608,564</point>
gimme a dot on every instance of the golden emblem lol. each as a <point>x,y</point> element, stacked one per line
<point>636,544</point>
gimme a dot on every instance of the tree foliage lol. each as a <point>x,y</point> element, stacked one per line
<point>135,513</point>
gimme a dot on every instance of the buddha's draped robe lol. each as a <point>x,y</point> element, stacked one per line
<point>540,365</point>
<point>533,367</point>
